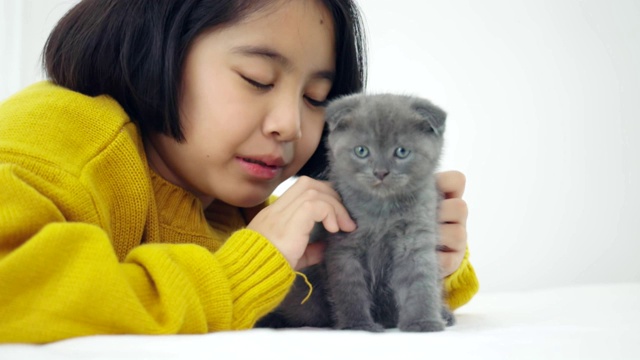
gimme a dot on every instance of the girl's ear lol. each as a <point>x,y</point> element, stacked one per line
<point>337,112</point>
<point>434,117</point>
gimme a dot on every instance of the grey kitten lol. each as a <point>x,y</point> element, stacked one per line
<point>383,152</point>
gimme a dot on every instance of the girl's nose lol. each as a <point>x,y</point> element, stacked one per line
<point>284,121</point>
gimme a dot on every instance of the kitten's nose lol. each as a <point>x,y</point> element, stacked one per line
<point>381,174</point>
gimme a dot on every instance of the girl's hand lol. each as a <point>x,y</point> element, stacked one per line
<point>453,221</point>
<point>288,222</point>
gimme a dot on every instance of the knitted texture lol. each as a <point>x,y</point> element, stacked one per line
<point>93,242</point>
<point>462,285</point>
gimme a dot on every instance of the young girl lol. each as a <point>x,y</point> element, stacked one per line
<point>135,183</point>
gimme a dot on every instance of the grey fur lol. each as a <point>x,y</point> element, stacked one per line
<point>385,274</point>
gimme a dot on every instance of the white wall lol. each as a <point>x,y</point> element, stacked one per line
<point>543,110</point>
<point>24,27</point>
<point>544,116</point>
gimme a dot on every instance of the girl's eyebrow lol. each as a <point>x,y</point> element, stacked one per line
<point>274,56</point>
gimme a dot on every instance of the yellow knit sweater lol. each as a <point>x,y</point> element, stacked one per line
<point>93,242</point>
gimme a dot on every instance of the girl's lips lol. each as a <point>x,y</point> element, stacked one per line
<point>259,169</point>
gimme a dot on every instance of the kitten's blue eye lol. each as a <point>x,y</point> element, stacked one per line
<point>361,151</point>
<point>402,152</point>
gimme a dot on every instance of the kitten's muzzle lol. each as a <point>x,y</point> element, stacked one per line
<point>381,174</point>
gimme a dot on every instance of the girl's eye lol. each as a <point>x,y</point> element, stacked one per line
<point>257,85</point>
<point>316,103</point>
<point>402,152</point>
<point>361,151</point>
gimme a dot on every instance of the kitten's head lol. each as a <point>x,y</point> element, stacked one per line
<point>383,144</point>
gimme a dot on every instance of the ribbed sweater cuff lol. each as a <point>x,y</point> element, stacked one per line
<point>462,285</point>
<point>259,276</point>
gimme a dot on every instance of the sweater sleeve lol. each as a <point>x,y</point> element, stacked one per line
<point>61,279</point>
<point>462,285</point>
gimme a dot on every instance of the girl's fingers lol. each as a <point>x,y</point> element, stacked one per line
<point>451,183</point>
<point>452,216</point>
<point>453,211</point>
<point>305,184</point>
<point>322,211</point>
<point>289,221</point>
<point>313,254</point>
<point>327,210</point>
<point>449,262</point>
<point>453,238</point>
<point>452,247</point>
<point>316,195</point>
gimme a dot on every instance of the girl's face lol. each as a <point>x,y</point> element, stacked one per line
<point>250,109</point>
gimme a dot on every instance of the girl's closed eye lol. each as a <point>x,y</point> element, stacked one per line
<point>257,84</point>
<point>261,86</point>
<point>316,103</point>
<point>316,94</point>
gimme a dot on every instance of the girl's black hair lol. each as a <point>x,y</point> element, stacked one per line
<point>134,50</point>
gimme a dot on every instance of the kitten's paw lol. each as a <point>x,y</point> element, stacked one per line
<point>371,327</point>
<point>448,317</point>
<point>422,326</point>
<point>273,320</point>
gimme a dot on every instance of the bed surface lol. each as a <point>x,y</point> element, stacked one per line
<point>583,322</point>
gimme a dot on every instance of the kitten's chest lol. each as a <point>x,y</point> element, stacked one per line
<point>379,242</point>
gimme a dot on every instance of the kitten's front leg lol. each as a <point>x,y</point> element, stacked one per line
<point>348,292</point>
<point>416,285</point>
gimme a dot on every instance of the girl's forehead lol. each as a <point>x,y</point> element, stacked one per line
<point>295,29</point>
<point>278,15</point>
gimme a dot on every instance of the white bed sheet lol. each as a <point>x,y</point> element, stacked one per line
<point>586,322</point>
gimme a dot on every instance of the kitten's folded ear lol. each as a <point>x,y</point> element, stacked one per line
<point>434,116</point>
<point>338,110</point>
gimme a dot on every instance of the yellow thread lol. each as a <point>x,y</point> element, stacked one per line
<point>306,281</point>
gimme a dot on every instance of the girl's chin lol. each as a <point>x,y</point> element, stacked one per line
<point>250,199</point>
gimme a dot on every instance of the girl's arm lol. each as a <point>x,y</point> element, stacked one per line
<point>61,279</point>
